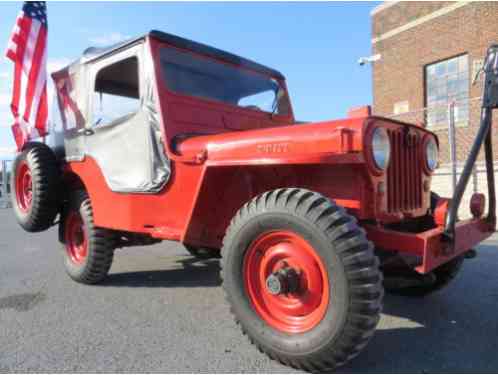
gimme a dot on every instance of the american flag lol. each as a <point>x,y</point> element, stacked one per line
<point>27,48</point>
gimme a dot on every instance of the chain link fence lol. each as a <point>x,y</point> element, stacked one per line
<point>461,115</point>
<point>5,168</point>
<point>456,124</point>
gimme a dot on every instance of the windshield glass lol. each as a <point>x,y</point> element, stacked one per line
<point>193,75</point>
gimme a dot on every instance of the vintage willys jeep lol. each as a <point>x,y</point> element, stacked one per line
<point>162,138</point>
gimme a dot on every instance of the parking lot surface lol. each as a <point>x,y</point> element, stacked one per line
<point>161,310</point>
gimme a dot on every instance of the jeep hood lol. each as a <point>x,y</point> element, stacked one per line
<point>311,142</point>
<point>299,141</point>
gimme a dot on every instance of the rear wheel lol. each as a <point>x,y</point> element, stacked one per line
<point>302,279</point>
<point>88,250</point>
<point>35,184</point>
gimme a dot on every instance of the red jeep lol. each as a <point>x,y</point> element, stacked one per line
<point>162,138</point>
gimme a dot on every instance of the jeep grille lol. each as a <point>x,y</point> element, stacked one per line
<point>404,174</point>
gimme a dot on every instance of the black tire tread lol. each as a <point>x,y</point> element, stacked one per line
<point>45,177</point>
<point>360,263</point>
<point>100,240</point>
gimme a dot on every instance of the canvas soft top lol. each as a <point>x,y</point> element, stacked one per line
<point>93,53</point>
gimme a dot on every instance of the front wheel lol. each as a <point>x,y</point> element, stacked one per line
<point>302,279</point>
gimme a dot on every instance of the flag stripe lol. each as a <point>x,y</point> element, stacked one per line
<point>41,87</point>
<point>27,65</point>
<point>42,115</point>
<point>36,80</point>
<point>19,61</point>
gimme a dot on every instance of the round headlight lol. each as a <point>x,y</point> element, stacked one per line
<point>431,154</point>
<point>381,148</point>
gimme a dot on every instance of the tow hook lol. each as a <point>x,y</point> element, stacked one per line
<point>471,254</point>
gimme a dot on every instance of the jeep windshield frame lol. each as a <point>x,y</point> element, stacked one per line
<point>190,74</point>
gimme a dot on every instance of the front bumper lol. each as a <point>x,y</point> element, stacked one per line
<point>432,246</point>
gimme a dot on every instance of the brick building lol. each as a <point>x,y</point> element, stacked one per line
<point>430,52</point>
<point>429,55</point>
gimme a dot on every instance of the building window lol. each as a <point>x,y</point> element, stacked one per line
<point>447,81</point>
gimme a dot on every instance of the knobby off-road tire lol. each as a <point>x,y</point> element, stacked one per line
<point>88,250</point>
<point>34,185</point>
<point>444,275</point>
<point>338,294</point>
<point>203,252</point>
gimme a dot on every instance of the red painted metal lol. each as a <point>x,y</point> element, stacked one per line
<point>441,211</point>
<point>164,214</point>
<point>404,174</point>
<point>76,238</point>
<point>430,245</point>
<point>24,186</point>
<point>295,312</point>
<point>399,191</point>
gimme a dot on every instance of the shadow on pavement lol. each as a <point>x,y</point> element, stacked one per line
<point>449,331</point>
<point>434,338</point>
<point>193,273</point>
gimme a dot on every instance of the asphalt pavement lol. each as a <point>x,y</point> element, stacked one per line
<point>160,310</point>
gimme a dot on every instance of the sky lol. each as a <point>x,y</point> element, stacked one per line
<point>315,45</point>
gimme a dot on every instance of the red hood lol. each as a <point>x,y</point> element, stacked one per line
<point>295,141</point>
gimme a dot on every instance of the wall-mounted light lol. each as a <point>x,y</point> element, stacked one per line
<point>370,59</point>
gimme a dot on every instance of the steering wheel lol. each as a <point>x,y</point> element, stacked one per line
<point>253,107</point>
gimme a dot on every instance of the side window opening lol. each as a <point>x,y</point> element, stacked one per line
<point>116,96</point>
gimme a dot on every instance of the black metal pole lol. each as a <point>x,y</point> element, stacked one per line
<point>452,144</point>
<point>482,133</point>
<point>488,149</point>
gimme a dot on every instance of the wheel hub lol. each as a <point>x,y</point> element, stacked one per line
<point>286,281</point>
<point>24,187</point>
<point>75,238</point>
<point>283,281</point>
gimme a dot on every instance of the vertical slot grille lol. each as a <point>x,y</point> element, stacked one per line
<point>404,174</point>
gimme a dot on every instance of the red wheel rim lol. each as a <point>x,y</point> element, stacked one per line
<point>76,239</point>
<point>285,254</point>
<point>24,186</point>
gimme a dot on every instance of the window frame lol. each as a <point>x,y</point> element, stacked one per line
<point>105,62</point>
<point>440,125</point>
<point>164,84</point>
